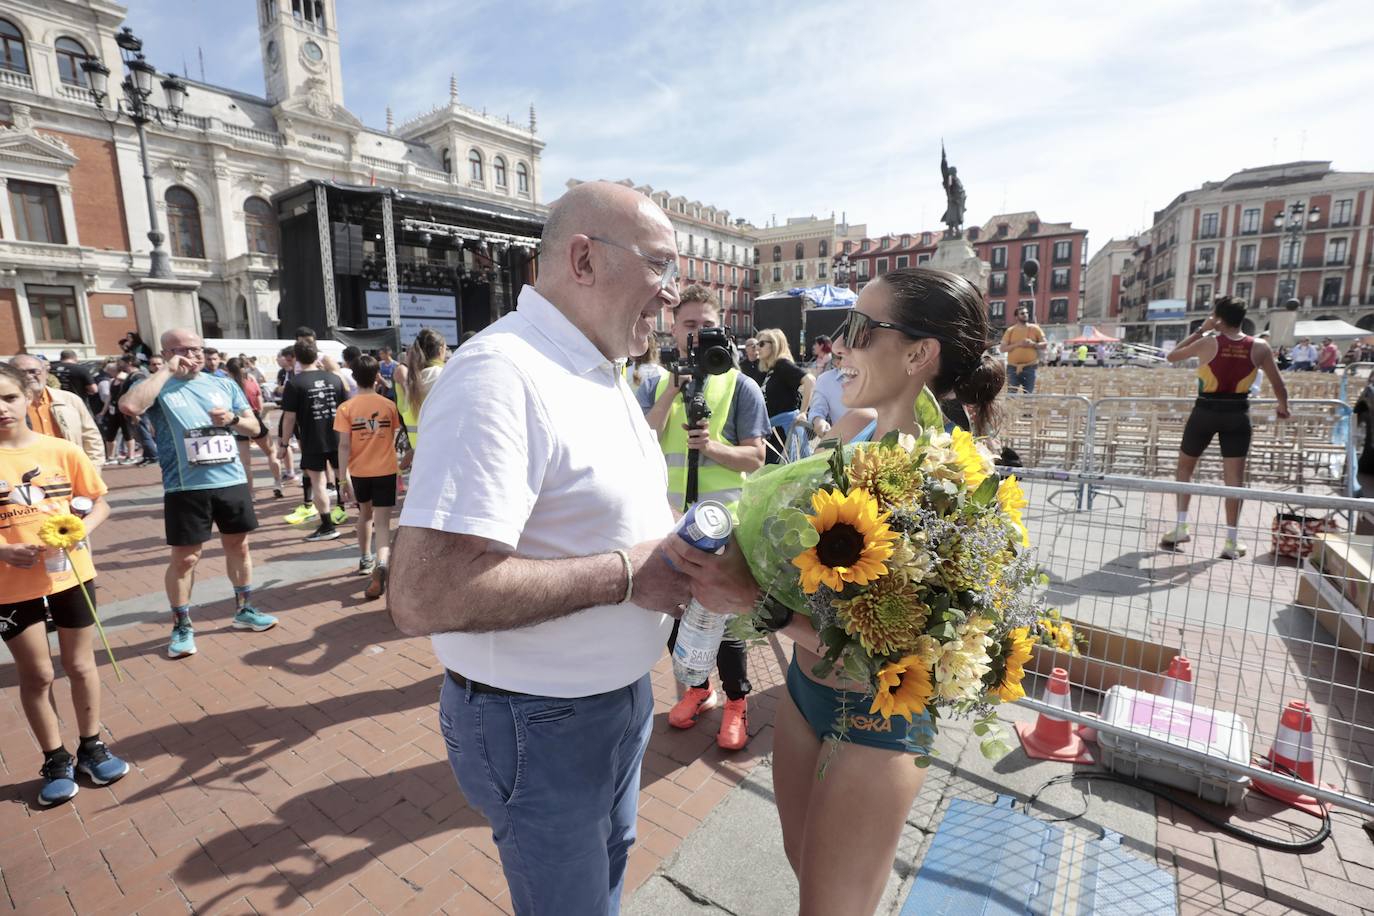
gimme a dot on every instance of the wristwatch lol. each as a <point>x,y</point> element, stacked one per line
<point>234,422</point>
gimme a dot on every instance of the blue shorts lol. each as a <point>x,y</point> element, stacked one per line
<point>821,706</point>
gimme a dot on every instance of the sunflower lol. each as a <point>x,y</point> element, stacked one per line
<point>970,458</point>
<point>854,541</point>
<point>1012,499</point>
<point>886,617</point>
<point>63,532</point>
<point>888,472</point>
<point>903,688</point>
<point>1016,653</point>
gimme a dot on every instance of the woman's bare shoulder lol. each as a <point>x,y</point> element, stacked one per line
<point>851,424</point>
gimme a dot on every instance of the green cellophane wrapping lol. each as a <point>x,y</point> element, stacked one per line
<point>773,528</point>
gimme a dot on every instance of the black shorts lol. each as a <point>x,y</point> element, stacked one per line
<point>262,431</point>
<point>315,461</point>
<point>190,516</point>
<point>1227,420</point>
<point>380,491</point>
<point>68,609</point>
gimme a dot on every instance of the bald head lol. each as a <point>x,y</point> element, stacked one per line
<point>596,208</point>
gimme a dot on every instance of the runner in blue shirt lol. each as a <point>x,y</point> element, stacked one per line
<point>195,416</point>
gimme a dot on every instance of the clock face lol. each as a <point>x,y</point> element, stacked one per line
<point>313,51</point>
<point>272,53</point>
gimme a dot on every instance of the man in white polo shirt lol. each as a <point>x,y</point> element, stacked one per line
<point>529,550</point>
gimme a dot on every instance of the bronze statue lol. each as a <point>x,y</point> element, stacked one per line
<point>954,196</point>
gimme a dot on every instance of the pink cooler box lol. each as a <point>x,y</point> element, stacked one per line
<point>1216,733</point>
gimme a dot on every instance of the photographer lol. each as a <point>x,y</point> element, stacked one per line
<point>730,444</point>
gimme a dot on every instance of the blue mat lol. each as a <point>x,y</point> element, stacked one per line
<point>990,859</point>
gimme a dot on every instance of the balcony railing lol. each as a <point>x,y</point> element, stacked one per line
<point>1340,262</point>
<point>1206,268</point>
<point>18,80</point>
<point>1245,266</point>
<point>252,133</point>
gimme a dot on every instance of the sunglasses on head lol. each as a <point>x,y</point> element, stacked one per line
<point>857,331</point>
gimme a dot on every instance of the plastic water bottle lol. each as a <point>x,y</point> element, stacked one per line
<point>706,526</point>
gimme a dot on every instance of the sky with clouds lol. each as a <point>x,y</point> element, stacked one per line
<point>1090,112</point>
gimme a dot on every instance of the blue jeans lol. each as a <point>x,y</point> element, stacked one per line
<point>143,427</point>
<point>1023,378</point>
<point>558,780</point>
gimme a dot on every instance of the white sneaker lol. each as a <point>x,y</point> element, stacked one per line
<point>1233,550</point>
<point>1178,536</point>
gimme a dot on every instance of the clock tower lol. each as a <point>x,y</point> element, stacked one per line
<point>300,52</point>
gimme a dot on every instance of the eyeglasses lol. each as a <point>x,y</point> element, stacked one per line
<point>188,351</point>
<point>857,330</point>
<point>666,268</point>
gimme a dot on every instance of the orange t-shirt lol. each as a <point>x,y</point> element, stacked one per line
<point>36,483</point>
<point>370,422</point>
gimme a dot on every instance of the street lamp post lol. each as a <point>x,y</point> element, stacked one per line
<point>1293,223</point>
<point>841,270</point>
<point>137,87</point>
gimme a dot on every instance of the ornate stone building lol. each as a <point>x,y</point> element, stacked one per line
<point>75,219</point>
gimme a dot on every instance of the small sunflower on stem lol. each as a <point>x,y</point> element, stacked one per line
<point>65,532</point>
<point>855,541</point>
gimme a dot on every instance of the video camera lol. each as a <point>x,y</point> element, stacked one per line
<point>710,351</point>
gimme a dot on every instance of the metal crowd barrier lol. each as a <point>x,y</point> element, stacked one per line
<point>1259,632</point>
<point>1142,435</point>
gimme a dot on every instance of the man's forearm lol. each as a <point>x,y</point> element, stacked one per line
<point>137,401</point>
<point>452,587</point>
<point>744,458</point>
<point>248,425</point>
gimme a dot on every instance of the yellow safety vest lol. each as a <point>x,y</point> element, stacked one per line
<point>714,481</point>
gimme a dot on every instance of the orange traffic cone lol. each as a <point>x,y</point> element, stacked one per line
<point>1051,738</point>
<point>1292,754</point>
<point>1177,683</point>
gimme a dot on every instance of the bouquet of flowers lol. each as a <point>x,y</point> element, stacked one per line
<point>1054,632</point>
<point>912,560</point>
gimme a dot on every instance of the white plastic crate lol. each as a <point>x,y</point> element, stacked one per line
<point>1214,732</point>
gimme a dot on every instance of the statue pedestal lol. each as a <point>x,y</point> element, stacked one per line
<point>161,305</point>
<point>958,257</point>
<point>1282,324</point>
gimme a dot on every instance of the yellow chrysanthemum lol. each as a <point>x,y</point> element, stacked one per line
<point>888,472</point>
<point>971,460</point>
<point>63,532</point>
<point>886,617</point>
<point>1012,499</point>
<point>1018,652</point>
<point>903,688</point>
<point>854,541</point>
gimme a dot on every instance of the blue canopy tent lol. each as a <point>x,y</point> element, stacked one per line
<point>826,296</point>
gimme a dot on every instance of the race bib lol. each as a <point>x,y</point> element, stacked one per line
<point>209,445</point>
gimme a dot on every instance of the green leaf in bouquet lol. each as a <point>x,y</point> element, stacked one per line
<point>927,410</point>
<point>838,469</point>
<point>994,747</point>
<point>986,492</point>
<point>890,440</point>
<point>943,632</point>
<point>980,728</point>
<point>744,627</point>
<point>856,669</point>
<point>922,761</point>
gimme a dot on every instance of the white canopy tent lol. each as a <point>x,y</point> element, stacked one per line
<point>1334,328</point>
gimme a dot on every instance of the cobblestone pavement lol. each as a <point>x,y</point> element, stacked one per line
<point>302,768</point>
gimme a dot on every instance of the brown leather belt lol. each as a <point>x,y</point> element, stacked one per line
<point>478,687</point>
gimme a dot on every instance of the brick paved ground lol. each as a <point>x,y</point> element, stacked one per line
<point>302,768</point>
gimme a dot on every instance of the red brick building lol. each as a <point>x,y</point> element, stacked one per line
<point>1006,242</point>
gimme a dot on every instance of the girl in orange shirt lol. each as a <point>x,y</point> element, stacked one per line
<point>42,476</point>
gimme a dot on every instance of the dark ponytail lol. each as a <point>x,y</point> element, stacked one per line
<point>952,310</point>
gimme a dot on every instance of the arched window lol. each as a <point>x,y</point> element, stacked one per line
<point>261,226</point>
<point>448,161</point>
<point>777,253</point>
<point>241,311</point>
<point>475,166</point>
<point>522,180</point>
<point>800,252</point>
<point>825,249</point>
<point>70,55</point>
<point>209,320</point>
<point>498,171</point>
<point>13,55</point>
<point>183,223</point>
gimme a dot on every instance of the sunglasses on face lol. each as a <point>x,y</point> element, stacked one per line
<point>857,331</point>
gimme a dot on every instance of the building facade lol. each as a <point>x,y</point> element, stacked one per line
<point>1102,280</point>
<point>83,231</point>
<point>1006,242</point>
<point>1264,235</point>
<point>800,252</point>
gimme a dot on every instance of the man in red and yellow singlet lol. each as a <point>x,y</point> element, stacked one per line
<point>1228,359</point>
